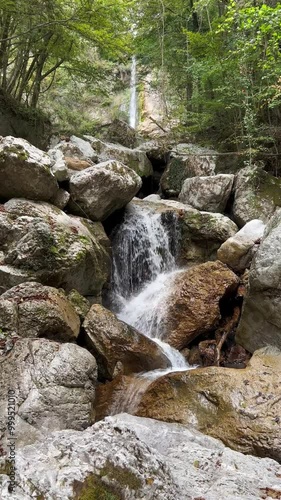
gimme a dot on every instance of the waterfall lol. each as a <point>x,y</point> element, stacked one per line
<point>133,112</point>
<point>145,248</point>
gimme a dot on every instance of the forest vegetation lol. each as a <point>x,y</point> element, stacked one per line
<point>216,63</point>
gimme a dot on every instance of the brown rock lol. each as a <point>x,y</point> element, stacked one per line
<point>194,304</point>
<point>242,408</point>
<point>112,341</point>
<point>77,163</point>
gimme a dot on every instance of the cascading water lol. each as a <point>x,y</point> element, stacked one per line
<point>133,112</point>
<point>144,267</point>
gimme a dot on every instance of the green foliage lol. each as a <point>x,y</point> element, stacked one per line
<point>39,38</point>
<point>222,64</point>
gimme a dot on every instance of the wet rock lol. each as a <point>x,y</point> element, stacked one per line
<point>187,160</point>
<point>238,251</point>
<point>113,342</point>
<point>102,189</point>
<point>193,306</point>
<point>257,194</point>
<point>207,193</point>
<point>25,171</point>
<point>34,310</point>
<point>53,386</point>
<point>239,407</point>
<point>41,243</point>
<point>261,316</point>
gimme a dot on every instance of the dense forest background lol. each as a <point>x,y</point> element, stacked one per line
<point>217,64</point>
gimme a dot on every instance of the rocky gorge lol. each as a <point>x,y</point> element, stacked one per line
<point>140,328</point>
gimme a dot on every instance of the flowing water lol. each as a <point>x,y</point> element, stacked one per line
<point>133,112</point>
<point>145,248</point>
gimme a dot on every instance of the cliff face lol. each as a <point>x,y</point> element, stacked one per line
<point>20,122</point>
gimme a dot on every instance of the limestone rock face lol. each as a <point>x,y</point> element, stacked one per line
<point>113,341</point>
<point>34,310</point>
<point>53,385</point>
<point>127,458</point>
<point>238,251</point>
<point>41,243</point>
<point>193,306</point>
<point>104,188</point>
<point>260,323</point>
<point>187,160</point>
<point>239,407</point>
<point>25,171</point>
<point>107,461</point>
<point>257,194</point>
<point>210,194</point>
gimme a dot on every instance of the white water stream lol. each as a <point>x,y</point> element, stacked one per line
<point>144,267</point>
<point>133,111</point>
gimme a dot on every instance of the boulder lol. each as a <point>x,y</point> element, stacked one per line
<point>80,304</point>
<point>120,132</point>
<point>201,233</point>
<point>61,199</point>
<point>102,189</point>
<point>41,243</point>
<point>52,384</point>
<point>193,305</point>
<point>238,251</point>
<point>73,147</point>
<point>113,342</point>
<point>34,310</point>
<point>126,457</point>
<point>136,159</point>
<point>25,171</point>
<point>257,194</point>
<point>210,194</point>
<point>260,323</point>
<point>186,160</point>
<point>59,167</point>
<point>239,407</point>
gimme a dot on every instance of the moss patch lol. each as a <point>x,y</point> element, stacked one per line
<point>94,489</point>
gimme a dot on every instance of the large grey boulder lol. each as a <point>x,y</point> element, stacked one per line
<point>53,386</point>
<point>238,251</point>
<point>260,323</point>
<point>102,189</point>
<point>25,171</point>
<point>113,341</point>
<point>126,458</point>
<point>186,160</point>
<point>34,310</point>
<point>257,194</point>
<point>210,194</point>
<point>136,159</point>
<point>41,243</point>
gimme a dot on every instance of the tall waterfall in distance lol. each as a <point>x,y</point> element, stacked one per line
<point>133,112</point>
